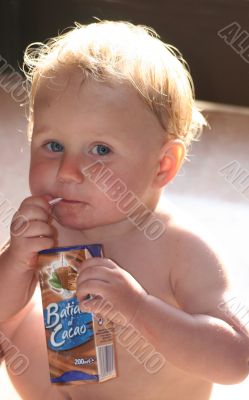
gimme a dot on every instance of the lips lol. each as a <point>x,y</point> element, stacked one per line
<point>60,199</point>
<point>70,201</point>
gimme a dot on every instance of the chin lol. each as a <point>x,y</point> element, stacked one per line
<point>76,224</point>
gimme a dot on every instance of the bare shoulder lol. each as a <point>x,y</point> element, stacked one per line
<point>197,265</point>
<point>199,277</point>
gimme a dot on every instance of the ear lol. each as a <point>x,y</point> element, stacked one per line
<point>171,157</point>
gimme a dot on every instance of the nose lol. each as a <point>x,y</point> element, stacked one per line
<point>69,170</point>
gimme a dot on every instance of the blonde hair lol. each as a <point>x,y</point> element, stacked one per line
<point>108,50</point>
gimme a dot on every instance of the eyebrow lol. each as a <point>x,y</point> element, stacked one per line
<point>45,130</point>
<point>40,133</point>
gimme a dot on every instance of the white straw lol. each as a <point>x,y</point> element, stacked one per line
<point>54,201</point>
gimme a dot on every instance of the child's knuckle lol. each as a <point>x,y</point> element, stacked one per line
<point>47,242</point>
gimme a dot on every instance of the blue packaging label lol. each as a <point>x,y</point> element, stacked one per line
<point>68,325</point>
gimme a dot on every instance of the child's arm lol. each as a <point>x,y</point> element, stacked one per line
<point>202,337</point>
<point>18,261</point>
<point>199,337</point>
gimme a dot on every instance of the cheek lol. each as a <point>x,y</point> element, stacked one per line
<point>138,177</point>
<point>39,178</point>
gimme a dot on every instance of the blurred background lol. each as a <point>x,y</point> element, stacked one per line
<point>211,188</point>
<point>190,25</point>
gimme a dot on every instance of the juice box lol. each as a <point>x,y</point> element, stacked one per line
<point>80,344</point>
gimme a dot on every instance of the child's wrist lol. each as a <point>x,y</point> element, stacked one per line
<point>140,304</point>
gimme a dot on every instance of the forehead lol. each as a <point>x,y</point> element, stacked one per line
<point>71,86</point>
<point>67,99</point>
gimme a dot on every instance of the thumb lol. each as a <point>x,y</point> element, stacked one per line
<point>47,197</point>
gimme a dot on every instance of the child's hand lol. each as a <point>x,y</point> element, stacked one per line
<point>30,232</point>
<point>111,283</point>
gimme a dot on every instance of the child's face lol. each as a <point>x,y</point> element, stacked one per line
<point>77,123</point>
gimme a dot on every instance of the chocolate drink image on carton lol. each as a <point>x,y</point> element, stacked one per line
<point>80,345</point>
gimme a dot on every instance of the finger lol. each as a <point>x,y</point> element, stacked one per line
<point>21,221</point>
<point>39,228</point>
<point>35,245</point>
<point>94,286</point>
<point>31,212</point>
<point>38,244</point>
<point>19,225</point>
<point>107,262</point>
<point>39,201</point>
<point>98,272</point>
<point>91,304</point>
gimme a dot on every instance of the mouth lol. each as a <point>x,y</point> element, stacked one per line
<point>62,200</point>
<point>67,201</point>
<point>70,201</point>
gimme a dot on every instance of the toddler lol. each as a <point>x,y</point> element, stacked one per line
<point>111,118</point>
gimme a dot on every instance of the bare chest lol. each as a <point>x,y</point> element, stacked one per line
<point>150,264</point>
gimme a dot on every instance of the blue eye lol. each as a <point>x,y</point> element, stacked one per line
<point>55,147</point>
<point>101,150</point>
